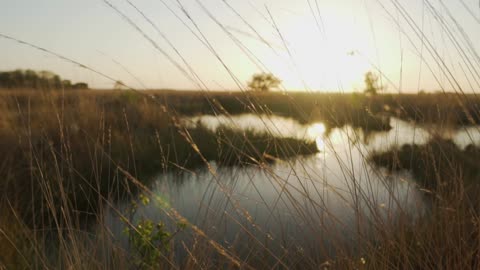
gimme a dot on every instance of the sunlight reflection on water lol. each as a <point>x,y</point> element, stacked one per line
<point>317,132</point>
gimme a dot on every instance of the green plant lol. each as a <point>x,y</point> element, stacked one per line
<point>149,240</point>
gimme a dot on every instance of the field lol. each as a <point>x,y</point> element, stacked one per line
<point>67,156</point>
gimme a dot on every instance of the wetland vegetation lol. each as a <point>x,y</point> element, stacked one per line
<point>330,156</point>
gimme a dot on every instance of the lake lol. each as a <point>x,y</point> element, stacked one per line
<point>323,203</point>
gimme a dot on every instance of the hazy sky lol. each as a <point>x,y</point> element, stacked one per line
<point>324,45</point>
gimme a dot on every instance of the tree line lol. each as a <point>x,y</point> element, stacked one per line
<point>31,79</point>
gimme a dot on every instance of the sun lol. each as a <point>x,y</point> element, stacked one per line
<point>312,60</point>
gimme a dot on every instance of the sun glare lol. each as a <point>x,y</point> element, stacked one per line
<point>317,132</point>
<point>313,59</point>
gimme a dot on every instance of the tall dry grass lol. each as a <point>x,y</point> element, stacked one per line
<point>69,156</point>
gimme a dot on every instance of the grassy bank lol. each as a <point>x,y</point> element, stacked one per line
<point>436,164</point>
<point>334,109</point>
<point>447,236</point>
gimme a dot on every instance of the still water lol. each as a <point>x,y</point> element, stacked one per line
<point>304,204</point>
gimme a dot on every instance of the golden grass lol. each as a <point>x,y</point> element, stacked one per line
<point>67,155</point>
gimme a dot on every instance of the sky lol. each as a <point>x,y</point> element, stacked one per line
<point>311,45</point>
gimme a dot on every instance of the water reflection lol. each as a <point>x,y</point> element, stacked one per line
<point>298,203</point>
<point>317,131</point>
<point>277,126</point>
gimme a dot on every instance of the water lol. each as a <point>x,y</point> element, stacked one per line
<point>326,200</point>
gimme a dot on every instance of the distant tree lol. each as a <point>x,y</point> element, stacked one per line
<point>17,78</point>
<point>30,79</point>
<point>67,84</point>
<point>371,84</point>
<point>80,86</point>
<point>5,80</point>
<point>55,82</point>
<point>263,82</point>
